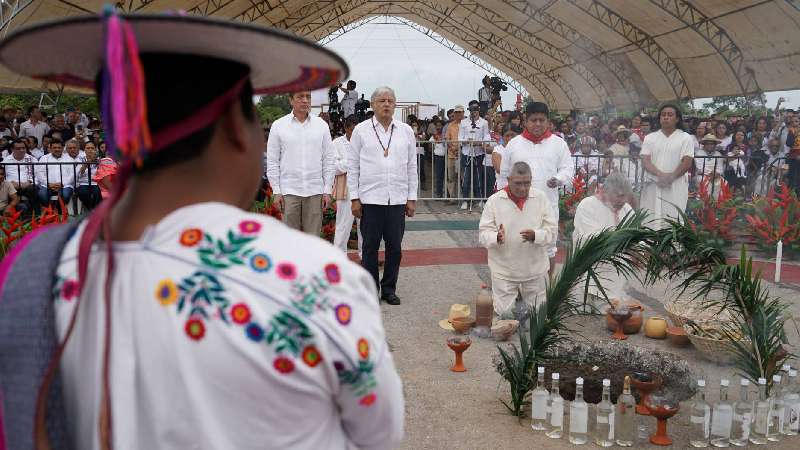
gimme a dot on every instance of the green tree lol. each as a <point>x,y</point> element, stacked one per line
<point>271,107</point>
<point>735,105</point>
<point>23,100</point>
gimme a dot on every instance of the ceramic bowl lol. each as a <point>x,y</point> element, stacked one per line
<point>677,336</point>
<point>462,325</point>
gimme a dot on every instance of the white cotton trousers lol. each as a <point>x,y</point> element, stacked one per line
<point>504,293</point>
<point>344,223</point>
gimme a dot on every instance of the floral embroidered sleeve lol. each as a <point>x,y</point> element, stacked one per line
<point>370,391</point>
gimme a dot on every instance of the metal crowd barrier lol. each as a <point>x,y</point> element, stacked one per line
<point>438,186</point>
<point>33,171</point>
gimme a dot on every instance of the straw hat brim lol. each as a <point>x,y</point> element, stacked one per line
<point>445,323</point>
<point>279,62</point>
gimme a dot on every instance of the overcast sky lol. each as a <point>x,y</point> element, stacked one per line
<point>422,70</point>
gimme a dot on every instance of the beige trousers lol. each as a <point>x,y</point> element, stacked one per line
<point>452,177</point>
<point>303,213</point>
<point>504,293</point>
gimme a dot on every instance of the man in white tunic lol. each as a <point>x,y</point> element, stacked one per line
<point>596,213</point>
<point>344,214</point>
<point>214,328</point>
<point>667,156</point>
<point>518,228</point>
<point>300,165</point>
<point>382,178</point>
<point>547,155</point>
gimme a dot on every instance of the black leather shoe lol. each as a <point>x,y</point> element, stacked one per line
<point>391,299</point>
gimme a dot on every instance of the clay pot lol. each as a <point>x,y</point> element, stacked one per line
<point>677,336</point>
<point>655,328</point>
<point>630,326</point>
<point>462,325</point>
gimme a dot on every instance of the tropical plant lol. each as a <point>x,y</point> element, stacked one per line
<point>713,215</point>
<point>776,217</point>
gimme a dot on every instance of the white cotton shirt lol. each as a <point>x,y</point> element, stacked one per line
<point>547,159</point>
<point>480,132</point>
<point>666,153</point>
<point>439,149</point>
<point>517,260</point>
<point>225,336</point>
<point>378,180</point>
<point>349,102</point>
<point>63,173</point>
<point>19,174</point>
<point>27,128</point>
<point>300,156</point>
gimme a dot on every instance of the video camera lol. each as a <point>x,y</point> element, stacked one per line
<point>361,109</point>
<point>497,85</point>
<point>335,111</point>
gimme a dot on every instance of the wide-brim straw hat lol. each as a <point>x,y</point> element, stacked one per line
<point>621,129</point>
<point>710,138</point>
<point>279,61</point>
<point>457,310</point>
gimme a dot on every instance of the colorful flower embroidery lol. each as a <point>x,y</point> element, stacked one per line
<point>70,289</point>
<point>311,295</point>
<point>260,262</point>
<point>283,365</point>
<point>255,332</point>
<point>311,356</point>
<point>363,348</point>
<point>240,313</point>
<point>200,291</point>
<point>191,237</point>
<point>166,292</point>
<point>224,253</point>
<point>343,313</point>
<point>195,329</point>
<point>332,273</point>
<point>368,399</point>
<point>287,271</point>
<point>249,227</point>
<point>288,333</point>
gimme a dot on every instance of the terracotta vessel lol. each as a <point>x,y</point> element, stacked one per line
<point>633,324</point>
<point>462,325</point>
<point>655,328</point>
<point>644,383</point>
<point>659,409</point>
<point>677,336</point>
<point>620,315</point>
<point>459,344</point>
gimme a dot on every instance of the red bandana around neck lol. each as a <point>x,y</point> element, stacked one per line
<point>519,201</point>
<point>536,139</point>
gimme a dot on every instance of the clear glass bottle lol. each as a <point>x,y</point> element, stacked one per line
<point>722,418</point>
<point>758,435</point>
<point>539,402</point>
<point>625,430</point>
<point>556,410</point>
<point>578,416</point>
<point>791,400</point>
<point>777,410</point>
<point>700,418</point>
<point>604,426</point>
<point>742,416</point>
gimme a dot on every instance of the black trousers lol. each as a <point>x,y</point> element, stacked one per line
<point>387,223</point>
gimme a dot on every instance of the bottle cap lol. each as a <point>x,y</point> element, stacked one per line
<point>484,286</point>
<point>785,367</point>
<point>792,373</point>
<point>556,376</point>
<point>540,370</point>
<point>579,381</point>
<point>762,381</point>
<point>701,383</point>
<point>606,382</point>
<point>776,378</point>
<point>744,382</point>
<point>724,382</point>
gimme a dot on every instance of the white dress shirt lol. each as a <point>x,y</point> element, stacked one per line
<point>46,174</point>
<point>480,132</point>
<point>27,128</point>
<point>300,156</point>
<point>17,173</point>
<point>378,180</point>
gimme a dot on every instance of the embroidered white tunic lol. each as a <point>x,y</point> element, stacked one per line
<point>666,153</point>
<point>225,336</point>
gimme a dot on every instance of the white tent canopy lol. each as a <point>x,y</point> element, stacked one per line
<point>573,54</point>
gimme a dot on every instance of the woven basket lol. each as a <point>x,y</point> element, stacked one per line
<point>680,312</point>
<point>716,350</point>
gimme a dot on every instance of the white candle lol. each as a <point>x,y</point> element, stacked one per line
<point>778,258</point>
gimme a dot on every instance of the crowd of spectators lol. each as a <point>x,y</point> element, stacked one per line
<point>47,157</point>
